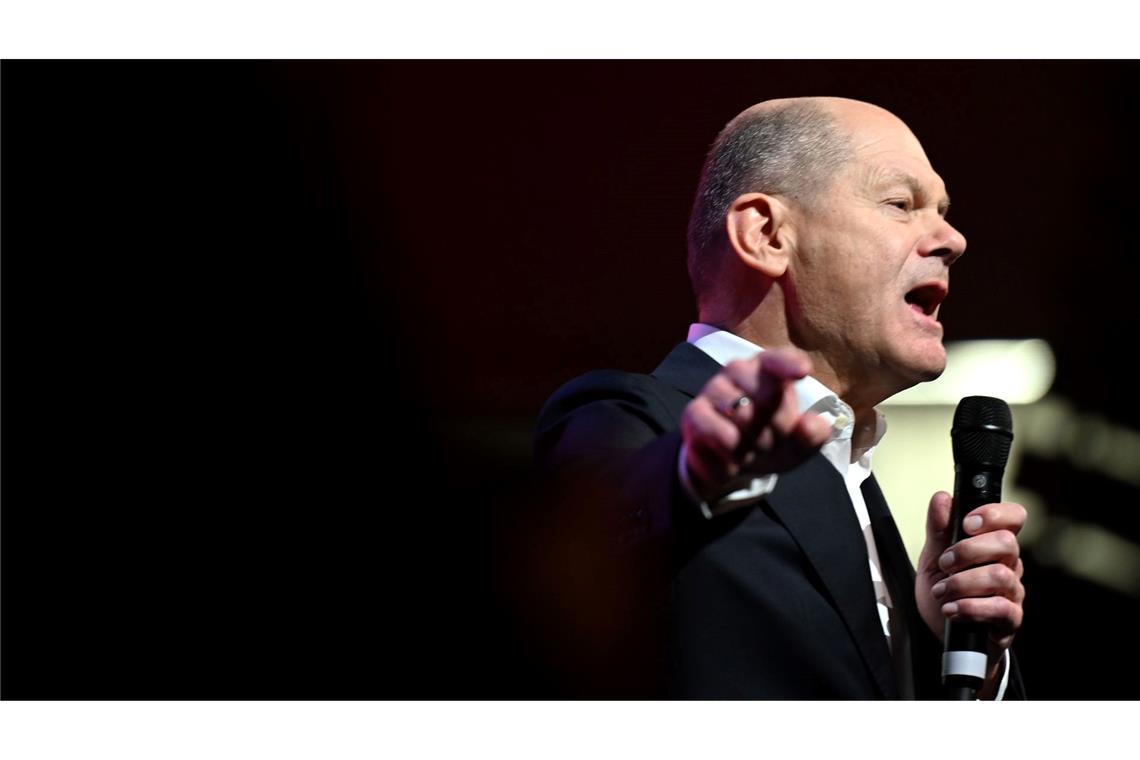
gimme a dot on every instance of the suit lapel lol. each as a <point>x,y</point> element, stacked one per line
<point>813,504</point>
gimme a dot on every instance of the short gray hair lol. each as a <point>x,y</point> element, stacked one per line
<point>793,149</point>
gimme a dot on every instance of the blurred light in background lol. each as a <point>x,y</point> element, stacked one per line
<point>1018,371</point>
<point>915,459</point>
<point>1090,552</point>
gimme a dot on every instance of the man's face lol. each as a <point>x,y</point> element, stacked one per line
<point>871,264</point>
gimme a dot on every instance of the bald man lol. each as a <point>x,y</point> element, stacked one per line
<point>740,545</point>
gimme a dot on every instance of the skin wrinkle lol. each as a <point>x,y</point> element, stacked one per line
<point>883,179</point>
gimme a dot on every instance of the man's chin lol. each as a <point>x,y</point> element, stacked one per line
<point>924,367</point>
<point>931,371</point>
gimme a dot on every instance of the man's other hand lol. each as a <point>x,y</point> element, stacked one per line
<point>746,421</point>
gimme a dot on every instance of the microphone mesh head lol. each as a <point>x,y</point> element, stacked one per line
<point>982,432</point>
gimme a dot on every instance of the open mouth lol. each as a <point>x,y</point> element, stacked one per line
<point>926,298</point>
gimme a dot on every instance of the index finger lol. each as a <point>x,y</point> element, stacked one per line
<point>990,517</point>
<point>778,368</point>
<point>784,363</point>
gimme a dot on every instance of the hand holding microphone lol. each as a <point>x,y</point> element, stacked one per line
<point>968,585</point>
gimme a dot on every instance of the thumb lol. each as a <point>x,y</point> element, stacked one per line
<point>938,529</point>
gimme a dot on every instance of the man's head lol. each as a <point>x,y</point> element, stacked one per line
<point>785,147</point>
<point>834,241</point>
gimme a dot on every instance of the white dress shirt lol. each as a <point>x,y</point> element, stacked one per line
<point>811,396</point>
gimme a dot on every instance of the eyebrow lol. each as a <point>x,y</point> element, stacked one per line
<point>897,176</point>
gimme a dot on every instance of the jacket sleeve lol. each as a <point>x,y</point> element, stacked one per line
<point>608,440</point>
<point>605,515</point>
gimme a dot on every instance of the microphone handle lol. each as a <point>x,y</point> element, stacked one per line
<point>966,644</point>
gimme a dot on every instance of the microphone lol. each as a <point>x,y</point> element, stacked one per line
<point>980,436</point>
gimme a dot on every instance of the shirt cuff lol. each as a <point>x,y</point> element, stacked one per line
<point>747,489</point>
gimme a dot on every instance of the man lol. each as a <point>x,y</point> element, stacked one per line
<point>738,472</point>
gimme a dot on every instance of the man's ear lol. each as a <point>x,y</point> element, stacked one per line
<point>759,233</point>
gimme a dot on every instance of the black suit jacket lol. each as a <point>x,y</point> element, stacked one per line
<point>769,601</point>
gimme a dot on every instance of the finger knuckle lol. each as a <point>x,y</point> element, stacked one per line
<point>695,429</point>
<point>697,407</point>
<point>736,366</point>
<point>980,609</point>
<point>720,385</point>
<point>1001,577</point>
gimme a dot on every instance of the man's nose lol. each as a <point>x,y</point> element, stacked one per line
<point>944,241</point>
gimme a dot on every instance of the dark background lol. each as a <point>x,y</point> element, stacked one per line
<point>275,336</point>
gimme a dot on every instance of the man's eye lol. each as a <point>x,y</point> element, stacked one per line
<point>900,203</point>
